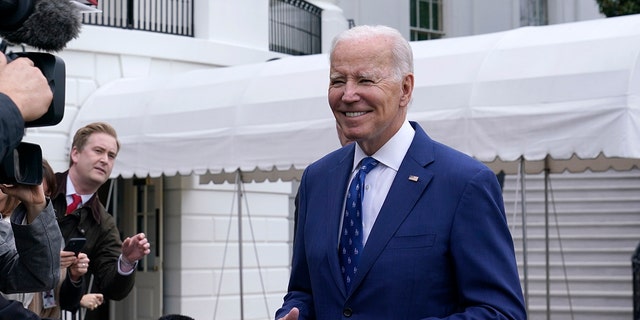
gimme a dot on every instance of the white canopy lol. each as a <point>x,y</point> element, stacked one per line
<point>567,94</point>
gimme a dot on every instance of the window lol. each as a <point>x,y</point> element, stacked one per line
<point>533,12</point>
<point>295,27</point>
<point>426,19</point>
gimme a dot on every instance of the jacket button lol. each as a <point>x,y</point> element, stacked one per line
<point>347,312</point>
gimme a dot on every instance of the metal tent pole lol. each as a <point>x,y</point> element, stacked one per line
<point>525,263</point>
<point>546,236</point>
<point>239,190</point>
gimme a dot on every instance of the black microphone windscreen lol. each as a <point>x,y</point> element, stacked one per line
<point>50,27</point>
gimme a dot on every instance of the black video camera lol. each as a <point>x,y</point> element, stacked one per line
<point>46,25</point>
<point>24,164</point>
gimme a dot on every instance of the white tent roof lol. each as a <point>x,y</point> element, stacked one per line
<point>566,93</point>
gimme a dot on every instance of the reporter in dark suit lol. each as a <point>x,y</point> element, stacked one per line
<point>434,241</point>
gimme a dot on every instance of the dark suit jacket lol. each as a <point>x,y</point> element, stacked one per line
<point>439,249</point>
<point>103,246</point>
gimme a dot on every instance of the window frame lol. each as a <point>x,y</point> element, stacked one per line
<point>425,28</point>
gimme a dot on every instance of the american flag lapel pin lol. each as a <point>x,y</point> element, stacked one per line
<point>413,178</point>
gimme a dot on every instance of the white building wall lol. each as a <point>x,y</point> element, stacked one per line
<point>469,17</point>
<point>392,13</point>
<point>465,17</point>
<point>561,11</point>
<point>333,22</point>
<point>244,23</point>
<point>202,255</point>
<point>472,17</point>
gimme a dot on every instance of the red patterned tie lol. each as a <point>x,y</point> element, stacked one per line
<point>74,203</point>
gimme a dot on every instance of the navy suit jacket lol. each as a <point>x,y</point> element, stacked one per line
<point>439,249</point>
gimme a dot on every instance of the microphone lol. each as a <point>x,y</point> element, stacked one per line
<point>44,24</point>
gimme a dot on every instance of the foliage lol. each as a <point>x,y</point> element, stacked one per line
<point>614,8</point>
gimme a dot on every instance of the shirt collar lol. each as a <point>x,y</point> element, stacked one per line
<point>393,151</point>
<point>72,190</point>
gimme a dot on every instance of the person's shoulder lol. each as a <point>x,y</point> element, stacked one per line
<point>335,158</point>
<point>460,157</point>
<point>61,182</point>
<point>447,160</point>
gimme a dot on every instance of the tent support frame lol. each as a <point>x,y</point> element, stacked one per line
<point>525,263</point>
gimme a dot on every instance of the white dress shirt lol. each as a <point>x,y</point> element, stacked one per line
<point>378,181</point>
<point>72,190</point>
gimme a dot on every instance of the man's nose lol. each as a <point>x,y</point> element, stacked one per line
<point>350,92</point>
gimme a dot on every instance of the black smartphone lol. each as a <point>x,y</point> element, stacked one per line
<point>75,245</point>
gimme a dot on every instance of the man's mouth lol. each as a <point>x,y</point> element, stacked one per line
<point>354,114</point>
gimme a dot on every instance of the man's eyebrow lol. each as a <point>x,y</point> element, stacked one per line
<point>367,75</point>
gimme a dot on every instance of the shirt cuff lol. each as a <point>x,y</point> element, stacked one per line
<point>125,268</point>
<point>74,283</point>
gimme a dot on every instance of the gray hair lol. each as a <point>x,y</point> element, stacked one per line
<point>401,52</point>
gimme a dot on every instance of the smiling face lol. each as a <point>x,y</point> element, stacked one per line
<point>92,164</point>
<point>367,95</point>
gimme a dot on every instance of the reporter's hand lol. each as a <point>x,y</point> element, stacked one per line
<point>79,267</point>
<point>91,300</point>
<point>292,315</point>
<point>32,197</point>
<point>135,248</point>
<point>26,86</point>
<point>67,258</point>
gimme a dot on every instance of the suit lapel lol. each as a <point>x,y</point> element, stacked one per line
<point>338,179</point>
<point>407,188</point>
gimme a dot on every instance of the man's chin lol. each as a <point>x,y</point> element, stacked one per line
<point>100,177</point>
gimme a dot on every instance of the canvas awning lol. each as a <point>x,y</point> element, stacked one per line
<point>565,97</point>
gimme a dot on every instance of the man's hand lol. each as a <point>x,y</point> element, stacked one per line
<point>26,86</point>
<point>31,196</point>
<point>135,248</point>
<point>292,315</point>
<point>91,300</point>
<point>67,258</point>
<point>79,267</point>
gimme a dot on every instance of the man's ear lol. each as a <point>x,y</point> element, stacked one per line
<point>74,155</point>
<point>407,89</point>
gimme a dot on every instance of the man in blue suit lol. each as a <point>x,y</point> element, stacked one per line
<point>433,240</point>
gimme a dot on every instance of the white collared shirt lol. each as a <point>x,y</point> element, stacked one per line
<point>379,179</point>
<point>72,190</point>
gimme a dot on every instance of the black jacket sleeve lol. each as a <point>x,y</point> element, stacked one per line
<point>11,125</point>
<point>70,295</point>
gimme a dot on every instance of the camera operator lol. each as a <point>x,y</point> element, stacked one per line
<point>34,235</point>
<point>25,95</point>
